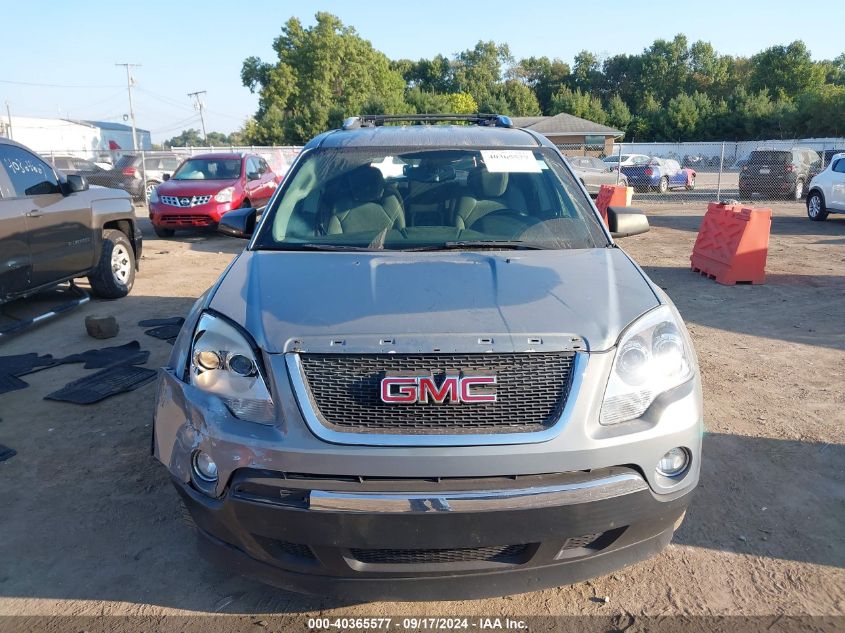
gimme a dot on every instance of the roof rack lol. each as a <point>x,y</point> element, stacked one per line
<point>377,120</point>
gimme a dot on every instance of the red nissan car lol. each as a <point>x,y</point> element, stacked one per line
<point>206,186</point>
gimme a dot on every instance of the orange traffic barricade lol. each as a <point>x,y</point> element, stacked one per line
<point>613,196</point>
<point>732,244</point>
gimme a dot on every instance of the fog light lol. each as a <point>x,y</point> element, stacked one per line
<point>673,463</point>
<point>204,467</point>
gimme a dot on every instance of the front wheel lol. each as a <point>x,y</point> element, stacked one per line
<point>151,185</point>
<point>160,231</point>
<point>691,183</point>
<point>816,209</point>
<point>663,187</point>
<point>115,273</point>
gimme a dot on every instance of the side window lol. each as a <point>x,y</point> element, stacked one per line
<point>251,166</point>
<point>839,166</point>
<point>30,175</point>
<point>262,166</point>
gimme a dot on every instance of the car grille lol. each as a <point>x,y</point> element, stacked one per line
<point>531,392</point>
<point>186,220</point>
<point>185,201</point>
<point>513,554</point>
<point>577,542</point>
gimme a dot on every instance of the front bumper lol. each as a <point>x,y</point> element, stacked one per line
<point>367,540</point>
<point>206,215</point>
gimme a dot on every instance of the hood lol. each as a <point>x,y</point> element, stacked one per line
<point>193,187</point>
<point>288,299</point>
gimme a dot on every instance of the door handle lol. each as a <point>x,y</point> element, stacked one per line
<point>35,213</point>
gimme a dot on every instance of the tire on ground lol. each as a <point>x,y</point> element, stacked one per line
<point>160,231</point>
<point>821,214</point>
<point>104,280</point>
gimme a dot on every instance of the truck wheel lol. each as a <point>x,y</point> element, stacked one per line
<point>816,210</point>
<point>115,274</point>
<point>163,232</point>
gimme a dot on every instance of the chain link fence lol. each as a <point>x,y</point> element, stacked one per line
<point>674,173</point>
<point>139,172</point>
<point>706,171</point>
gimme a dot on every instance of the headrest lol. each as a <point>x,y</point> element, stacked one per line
<point>366,184</point>
<point>486,185</point>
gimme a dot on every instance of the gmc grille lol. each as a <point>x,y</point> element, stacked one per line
<point>531,392</point>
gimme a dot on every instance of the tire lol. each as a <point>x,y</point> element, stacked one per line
<point>745,193</point>
<point>151,184</point>
<point>163,232</point>
<point>663,187</point>
<point>245,204</point>
<point>115,273</point>
<point>816,209</point>
<point>691,184</point>
<point>798,192</point>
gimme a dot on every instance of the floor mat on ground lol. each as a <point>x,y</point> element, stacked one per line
<point>165,332</point>
<point>11,383</point>
<point>157,322</point>
<point>108,382</point>
<point>6,453</point>
<point>11,367</point>
<point>129,354</point>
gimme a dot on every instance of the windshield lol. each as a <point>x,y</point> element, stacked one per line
<point>389,198</point>
<point>770,158</point>
<point>209,169</point>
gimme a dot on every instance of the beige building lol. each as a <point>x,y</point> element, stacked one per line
<point>574,135</point>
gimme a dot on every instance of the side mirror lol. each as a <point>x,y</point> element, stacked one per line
<point>238,223</point>
<point>626,221</point>
<point>75,183</point>
<point>253,175</point>
<point>165,177</point>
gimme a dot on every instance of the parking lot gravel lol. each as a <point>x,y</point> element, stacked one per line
<point>90,525</point>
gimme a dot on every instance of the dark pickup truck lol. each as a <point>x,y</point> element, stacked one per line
<point>55,229</point>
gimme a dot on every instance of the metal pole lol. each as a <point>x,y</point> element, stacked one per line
<point>9,117</point>
<point>719,182</point>
<point>199,105</point>
<point>129,68</point>
<point>619,164</point>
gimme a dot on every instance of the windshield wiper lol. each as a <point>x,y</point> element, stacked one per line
<point>315,247</point>
<point>491,244</point>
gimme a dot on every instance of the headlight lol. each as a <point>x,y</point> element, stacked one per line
<point>225,195</point>
<point>652,357</point>
<point>223,363</point>
<point>154,195</point>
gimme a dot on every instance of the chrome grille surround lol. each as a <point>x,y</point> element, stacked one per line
<point>185,202</point>
<point>472,435</point>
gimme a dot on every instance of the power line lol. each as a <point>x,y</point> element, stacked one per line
<point>40,85</point>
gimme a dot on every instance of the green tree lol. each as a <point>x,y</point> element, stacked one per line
<point>585,71</point>
<point>665,68</point>
<point>618,114</point>
<point>785,71</point>
<point>544,76</point>
<point>579,104</point>
<point>520,98</point>
<point>323,73</point>
<point>478,71</point>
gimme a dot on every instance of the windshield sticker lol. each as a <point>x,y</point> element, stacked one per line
<point>510,161</point>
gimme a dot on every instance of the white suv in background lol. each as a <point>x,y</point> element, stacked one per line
<point>827,190</point>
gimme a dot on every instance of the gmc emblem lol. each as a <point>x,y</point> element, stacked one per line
<point>424,389</point>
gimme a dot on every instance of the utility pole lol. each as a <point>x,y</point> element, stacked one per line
<point>199,105</point>
<point>9,117</point>
<point>129,82</point>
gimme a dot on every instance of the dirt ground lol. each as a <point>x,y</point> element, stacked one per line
<point>90,525</point>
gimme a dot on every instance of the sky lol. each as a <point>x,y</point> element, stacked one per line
<point>65,65</point>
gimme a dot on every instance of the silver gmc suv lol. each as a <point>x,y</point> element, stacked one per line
<point>431,373</point>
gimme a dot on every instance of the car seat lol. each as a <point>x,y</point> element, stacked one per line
<point>365,205</point>
<point>488,192</point>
